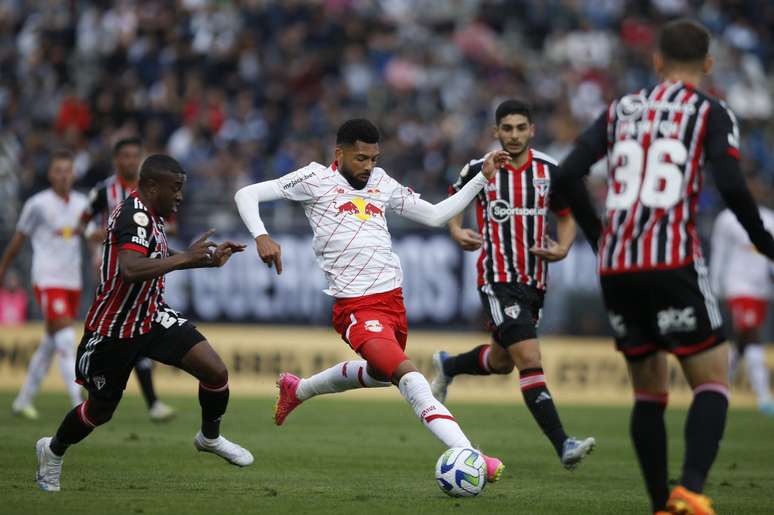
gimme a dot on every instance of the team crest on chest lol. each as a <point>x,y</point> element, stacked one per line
<point>541,185</point>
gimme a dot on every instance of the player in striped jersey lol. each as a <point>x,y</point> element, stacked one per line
<point>512,213</point>
<point>346,204</point>
<point>653,277</point>
<point>129,319</point>
<point>103,199</point>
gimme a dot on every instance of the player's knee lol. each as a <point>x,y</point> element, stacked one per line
<point>99,413</point>
<point>500,366</point>
<point>526,354</point>
<point>216,375</point>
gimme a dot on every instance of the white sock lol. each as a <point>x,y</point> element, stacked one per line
<point>36,372</point>
<point>415,388</point>
<point>65,349</point>
<point>757,371</point>
<point>339,378</point>
<point>733,362</point>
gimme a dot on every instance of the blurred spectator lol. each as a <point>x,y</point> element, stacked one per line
<point>244,90</point>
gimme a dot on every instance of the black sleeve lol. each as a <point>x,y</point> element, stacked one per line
<point>722,151</point>
<point>97,203</point>
<point>557,203</point>
<point>469,171</point>
<point>132,228</point>
<point>569,181</point>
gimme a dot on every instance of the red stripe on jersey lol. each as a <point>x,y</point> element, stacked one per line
<point>636,209</point>
<point>494,231</point>
<point>517,222</point>
<point>482,256</point>
<point>540,202</point>
<point>692,193</point>
<point>127,327</point>
<point>647,258</point>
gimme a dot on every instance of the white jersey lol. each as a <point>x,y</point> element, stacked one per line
<point>737,269</point>
<point>50,222</point>
<point>351,240</point>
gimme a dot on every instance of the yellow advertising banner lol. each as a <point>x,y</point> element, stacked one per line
<point>579,370</point>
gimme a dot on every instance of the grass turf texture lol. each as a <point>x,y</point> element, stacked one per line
<point>340,455</point>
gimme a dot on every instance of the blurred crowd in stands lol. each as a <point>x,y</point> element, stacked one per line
<point>243,91</point>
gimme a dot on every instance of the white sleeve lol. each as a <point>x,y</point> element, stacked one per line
<point>720,243</point>
<point>28,220</point>
<point>437,215</point>
<point>247,200</point>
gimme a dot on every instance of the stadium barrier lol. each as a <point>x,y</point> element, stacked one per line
<point>579,370</point>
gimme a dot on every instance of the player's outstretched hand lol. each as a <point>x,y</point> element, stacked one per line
<point>269,252</point>
<point>199,253</point>
<point>551,251</point>
<point>468,239</point>
<point>493,162</point>
<point>224,251</point>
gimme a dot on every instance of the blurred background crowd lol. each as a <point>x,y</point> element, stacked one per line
<point>243,91</point>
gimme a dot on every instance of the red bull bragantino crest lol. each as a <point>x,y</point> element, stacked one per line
<point>360,208</point>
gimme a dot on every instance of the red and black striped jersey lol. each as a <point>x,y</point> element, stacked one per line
<point>121,309</point>
<point>512,217</point>
<point>657,142</point>
<point>104,197</point>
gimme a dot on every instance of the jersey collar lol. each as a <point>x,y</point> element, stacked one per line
<point>523,167</point>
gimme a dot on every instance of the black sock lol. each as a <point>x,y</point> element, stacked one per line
<point>471,362</point>
<point>648,433</point>
<point>146,383</point>
<point>71,431</point>
<point>213,401</point>
<point>703,431</point>
<point>541,405</point>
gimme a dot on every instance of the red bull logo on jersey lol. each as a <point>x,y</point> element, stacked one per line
<point>359,208</point>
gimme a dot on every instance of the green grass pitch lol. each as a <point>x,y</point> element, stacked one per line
<point>342,455</point>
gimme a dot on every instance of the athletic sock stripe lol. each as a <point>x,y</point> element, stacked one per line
<point>720,388</point>
<point>643,396</point>
<point>483,357</point>
<point>214,388</point>
<point>434,417</point>
<point>360,377</point>
<point>84,418</point>
<point>344,369</point>
<point>524,388</point>
<point>532,379</point>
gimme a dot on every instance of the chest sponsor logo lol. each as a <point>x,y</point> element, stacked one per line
<point>359,208</point>
<point>501,211</point>
<point>541,185</point>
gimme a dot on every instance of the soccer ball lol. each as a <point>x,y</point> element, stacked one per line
<point>461,472</point>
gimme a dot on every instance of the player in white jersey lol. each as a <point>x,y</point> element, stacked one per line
<point>49,219</point>
<point>346,204</point>
<point>742,276</point>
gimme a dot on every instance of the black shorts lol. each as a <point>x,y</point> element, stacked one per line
<point>671,310</point>
<point>103,364</point>
<point>514,311</point>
